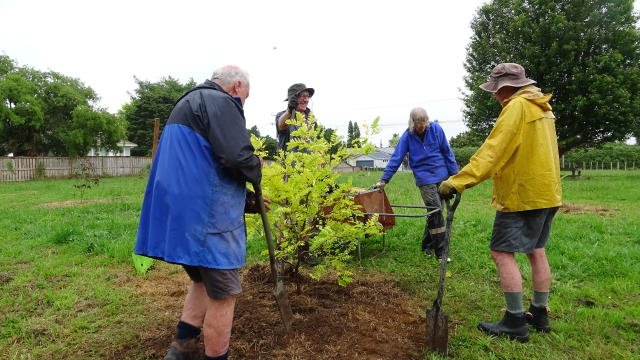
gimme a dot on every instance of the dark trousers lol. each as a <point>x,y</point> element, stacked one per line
<point>434,230</point>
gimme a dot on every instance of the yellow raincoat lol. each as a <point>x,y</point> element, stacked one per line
<point>521,154</point>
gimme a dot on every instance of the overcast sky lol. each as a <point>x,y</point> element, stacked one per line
<point>364,58</point>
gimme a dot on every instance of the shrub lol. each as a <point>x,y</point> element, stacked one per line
<point>310,208</point>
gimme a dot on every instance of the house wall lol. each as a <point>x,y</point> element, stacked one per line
<point>377,163</point>
<point>126,151</point>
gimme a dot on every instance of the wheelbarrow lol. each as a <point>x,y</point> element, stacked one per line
<point>375,202</point>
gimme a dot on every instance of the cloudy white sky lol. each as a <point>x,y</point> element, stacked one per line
<point>364,58</point>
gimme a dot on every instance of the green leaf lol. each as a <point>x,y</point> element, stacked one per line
<point>142,263</point>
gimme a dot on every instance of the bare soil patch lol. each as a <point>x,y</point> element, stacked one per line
<point>69,203</point>
<point>371,318</point>
<point>586,209</point>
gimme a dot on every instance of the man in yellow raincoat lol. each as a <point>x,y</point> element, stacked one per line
<point>521,155</point>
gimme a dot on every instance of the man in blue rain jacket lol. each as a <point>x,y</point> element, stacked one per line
<point>194,204</point>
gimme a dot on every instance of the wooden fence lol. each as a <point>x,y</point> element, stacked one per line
<point>600,165</point>
<point>29,168</point>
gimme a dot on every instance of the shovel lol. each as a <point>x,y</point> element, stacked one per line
<point>438,320</point>
<point>279,290</point>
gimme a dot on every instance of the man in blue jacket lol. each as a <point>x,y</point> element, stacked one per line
<point>194,204</point>
<point>432,161</point>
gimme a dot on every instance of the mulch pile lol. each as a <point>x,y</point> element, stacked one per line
<point>372,318</point>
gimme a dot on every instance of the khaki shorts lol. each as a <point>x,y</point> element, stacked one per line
<point>219,283</point>
<point>522,231</point>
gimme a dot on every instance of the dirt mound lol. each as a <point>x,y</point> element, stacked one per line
<point>369,319</point>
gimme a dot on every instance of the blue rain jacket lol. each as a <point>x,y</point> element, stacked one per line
<point>193,208</point>
<point>431,160</point>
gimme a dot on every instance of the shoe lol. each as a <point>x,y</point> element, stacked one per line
<point>439,256</point>
<point>426,246</point>
<point>538,317</point>
<point>186,349</point>
<point>513,326</point>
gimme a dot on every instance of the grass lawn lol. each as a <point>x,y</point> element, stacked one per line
<point>64,265</point>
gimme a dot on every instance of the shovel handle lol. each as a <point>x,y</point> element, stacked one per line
<point>279,291</point>
<point>267,230</point>
<point>451,209</point>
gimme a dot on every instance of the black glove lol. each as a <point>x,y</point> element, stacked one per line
<point>251,205</point>
<point>293,103</point>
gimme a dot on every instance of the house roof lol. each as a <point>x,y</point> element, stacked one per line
<point>376,155</point>
<point>127,143</point>
<point>388,150</point>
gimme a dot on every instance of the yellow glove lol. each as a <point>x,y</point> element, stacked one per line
<point>447,189</point>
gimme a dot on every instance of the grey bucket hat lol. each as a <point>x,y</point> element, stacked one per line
<point>506,74</point>
<point>296,89</point>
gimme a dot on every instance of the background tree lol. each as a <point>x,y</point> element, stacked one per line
<point>350,134</point>
<point>636,131</point>
<point>37,114</point>
<point>254,130</point>
<point>64,95</point>
<point>356,141</point>
<point>393,142</point>
<point>467,139</point>
<point>270,144</point>
<point>327,135</point>
<point>21,111</point>
<point>150,100</point>
<point>92,129</point>
<point>586,53</point>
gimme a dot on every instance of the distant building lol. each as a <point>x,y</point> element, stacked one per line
<point>377,159</point>
<point>125,150</point>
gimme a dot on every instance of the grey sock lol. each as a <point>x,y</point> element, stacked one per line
<point>514,302</point>
<point>540,299</point>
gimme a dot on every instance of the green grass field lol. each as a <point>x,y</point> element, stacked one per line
<point>61,263</point>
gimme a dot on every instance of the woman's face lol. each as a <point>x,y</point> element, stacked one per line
<point>419,127</point>
<point>303,101</point>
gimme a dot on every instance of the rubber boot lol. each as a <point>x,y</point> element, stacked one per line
<point>538,317</point>
<point>513,326</point>
<point>427,243</point>
<point>439,243</point>
<point>186,349</point>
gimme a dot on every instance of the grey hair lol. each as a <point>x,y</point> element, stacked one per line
<point>229,74</point>
<point>417,114</point>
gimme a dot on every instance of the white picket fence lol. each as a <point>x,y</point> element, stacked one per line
<point>29,168</point>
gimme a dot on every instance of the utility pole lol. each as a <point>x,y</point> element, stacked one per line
<point>156,134</point>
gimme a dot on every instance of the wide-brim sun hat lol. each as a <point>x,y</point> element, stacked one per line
<point>295,90</point>
<point>506,74</point>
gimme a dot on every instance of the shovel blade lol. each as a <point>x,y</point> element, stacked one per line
<point>437,330</point>
<point>282,299</point>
